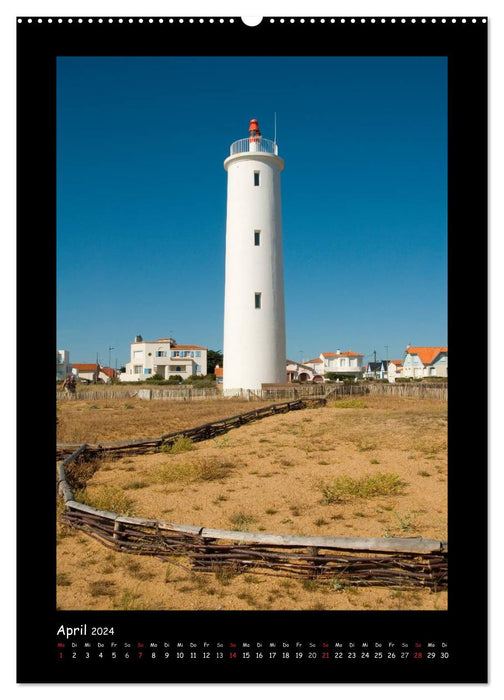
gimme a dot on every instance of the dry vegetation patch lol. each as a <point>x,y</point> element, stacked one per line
<point>377,470</point>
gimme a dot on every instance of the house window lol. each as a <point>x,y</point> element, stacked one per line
<point>182,353</point>
<point>137,369</point>
<point>257,238</point>
<point>198,353</point>
<point>198,368</point>
<point>192,353</point>
<point>137,354</point>
<point>161,353</point>
<point>147,370</point>
<point>175,353</point>
<point>257,300</point>
<point>256,178</point>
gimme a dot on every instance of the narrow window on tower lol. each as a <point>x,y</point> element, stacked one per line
<point>256,178</point>
<point>257,238</point>
<point>257,300</point>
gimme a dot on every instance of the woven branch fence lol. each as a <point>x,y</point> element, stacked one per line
<point>403,562</point>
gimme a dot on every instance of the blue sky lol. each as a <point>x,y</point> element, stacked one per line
<point>141,198</point>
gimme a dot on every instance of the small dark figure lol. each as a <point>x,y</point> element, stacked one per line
<point>69,385</point>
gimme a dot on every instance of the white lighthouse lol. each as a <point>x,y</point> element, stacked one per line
<point>254,310</point>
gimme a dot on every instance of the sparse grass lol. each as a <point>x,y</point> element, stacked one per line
<point>136,485</point>
<point>101,588</point>
<point>137,571</point>
<point>108,498</point>
<point>405,523</point>
<point>337,435</point>
<point>346,487</point>
<point>225,574</point>
<point>241,521</point>
<point>311,584</point>
<point>320,522</point>
<point>367,447</point>
<point>182,444</point>
<point>63,580</point>
<point>348,403</point>
<point>206,468</point>
<point>374,461</point>
<point>424,473</point>
<point>220,498</point>
<point>129,601</point>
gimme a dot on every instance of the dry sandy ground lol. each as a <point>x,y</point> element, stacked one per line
<point>269,476</point>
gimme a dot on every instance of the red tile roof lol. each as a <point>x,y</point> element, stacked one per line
<point>84,367</point>
<point>108,371</point>
<point>316,359</point>
<point>342,354</point>
<point>396,362</point>
<point>188,347</point>
<point>218,371</point>
<point>427,355</point>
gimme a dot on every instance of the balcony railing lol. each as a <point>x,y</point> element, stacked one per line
<point>262,146</point>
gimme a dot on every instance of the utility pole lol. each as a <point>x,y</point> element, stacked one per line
<point>374,353</point>
<point>109,355</point>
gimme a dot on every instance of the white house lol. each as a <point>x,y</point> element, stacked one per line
<point>425,362</point>
<point>302,372</point>
<point>394,370</point>
<point>63,366</point>
<point>87,371</point>
<point>376,370</point>
<point>348,363</point>
<point>165,357</point>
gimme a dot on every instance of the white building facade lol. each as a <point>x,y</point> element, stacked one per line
<point>63,366</point>
<point>425,362</point>
<point>348,363</point>
<point>164,357</point>
<point>254,309</point>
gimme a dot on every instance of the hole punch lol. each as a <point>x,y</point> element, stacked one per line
<point>251,21</point>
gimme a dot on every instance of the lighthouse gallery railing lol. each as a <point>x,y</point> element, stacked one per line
<point>262,146</point>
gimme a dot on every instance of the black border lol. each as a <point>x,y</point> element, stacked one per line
<point>464,625</point>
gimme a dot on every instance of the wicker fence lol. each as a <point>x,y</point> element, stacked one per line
<point>404,562</point>
<point>411,390</point>
<point>273,392</point>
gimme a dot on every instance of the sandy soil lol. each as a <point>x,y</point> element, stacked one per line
<point>269,476</point>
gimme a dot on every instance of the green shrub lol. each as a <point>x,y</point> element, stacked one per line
<point>346,487</point>
<point>182,444</point>
<point>108,498</point>
<point>241,521</point>
<point>155,378</point>
<point>203,469</point>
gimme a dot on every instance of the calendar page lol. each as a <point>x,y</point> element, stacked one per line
<point>253,242</point>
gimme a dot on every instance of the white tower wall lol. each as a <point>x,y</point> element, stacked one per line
<point>254,338</point>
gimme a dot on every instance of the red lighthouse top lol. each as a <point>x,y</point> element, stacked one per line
<point>255,134</point>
